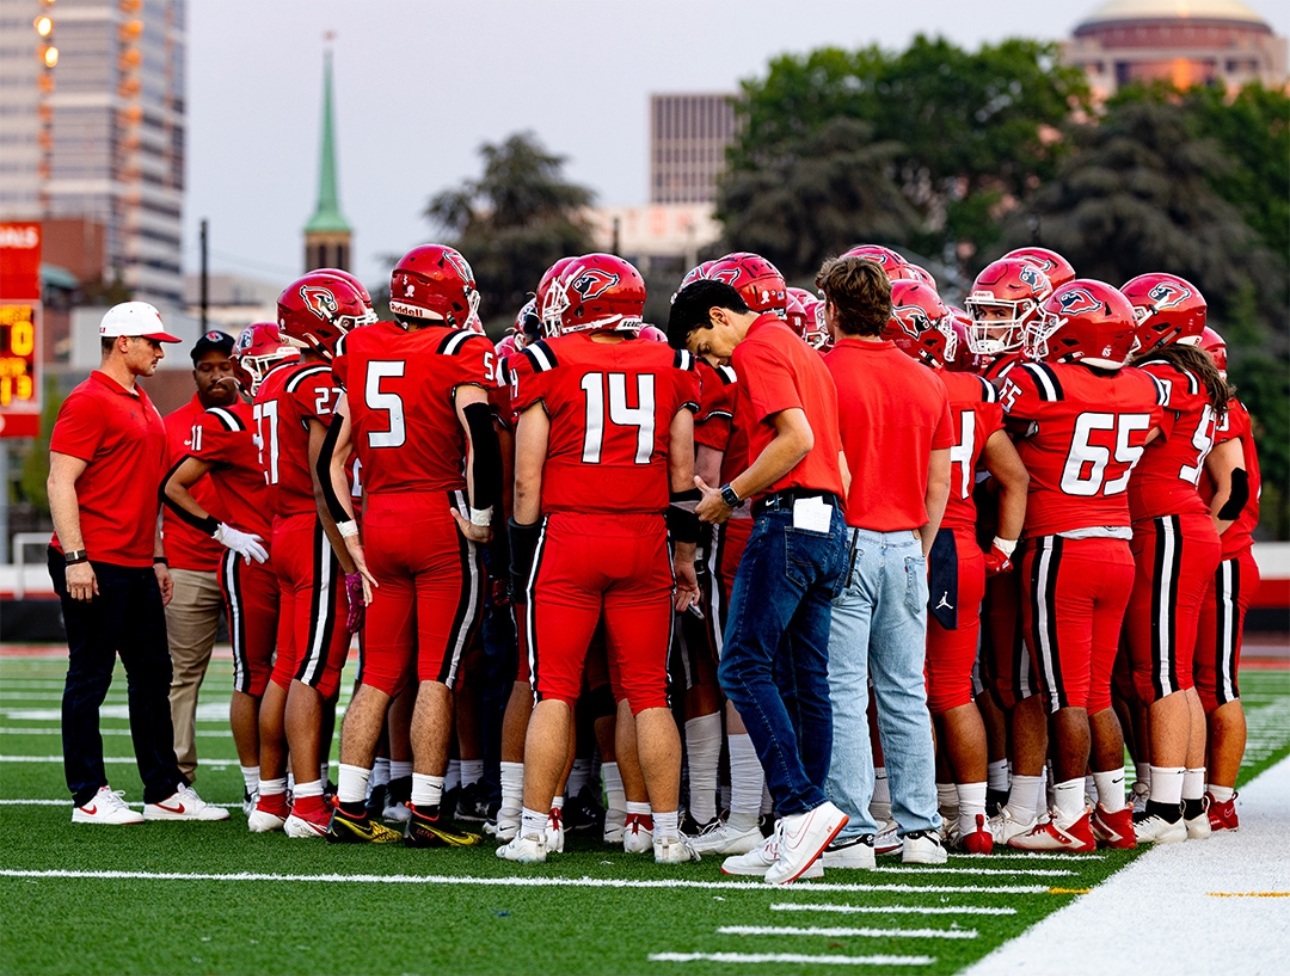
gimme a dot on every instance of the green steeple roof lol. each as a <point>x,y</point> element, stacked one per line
<point>327,216</point>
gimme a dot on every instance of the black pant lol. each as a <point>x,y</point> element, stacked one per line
<point>127,618</point>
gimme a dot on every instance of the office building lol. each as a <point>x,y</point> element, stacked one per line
<point>688,139</point>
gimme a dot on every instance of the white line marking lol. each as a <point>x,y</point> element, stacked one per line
<point>208,734</point>
<point>208,712</point>
<point>540,881</point>
<point>1012,855</point>
<point>1037,872</point>
<point>843,933</point>
<point>892,909</point>
<point>791,957</point>
<point>68,802</point>
<point>213,763</point>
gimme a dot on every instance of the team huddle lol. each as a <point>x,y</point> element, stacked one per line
<point>576,513</point>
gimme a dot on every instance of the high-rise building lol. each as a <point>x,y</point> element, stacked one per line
<point>92,126</point>
<point>328,236</point>
<point>687,142</point>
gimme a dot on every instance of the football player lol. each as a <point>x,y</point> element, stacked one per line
<point>1056,268</point>
<point>605,427</point>
<point>414,408</point>
<point>1177,551</point>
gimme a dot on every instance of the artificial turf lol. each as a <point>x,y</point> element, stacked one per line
<point>408,917</point>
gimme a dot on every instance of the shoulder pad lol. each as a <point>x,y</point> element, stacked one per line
<point>455,341</point>
<point>299,377</point>
<point>988,392</point>
<point>227,418</point>
<point>1162,391</point>
<point>683,360</point>
<point>1049,386</point>
<point>540,355</point>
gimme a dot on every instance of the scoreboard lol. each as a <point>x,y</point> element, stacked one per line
<point>20,387</point>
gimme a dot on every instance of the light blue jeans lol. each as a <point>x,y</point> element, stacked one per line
<point>879,629</point>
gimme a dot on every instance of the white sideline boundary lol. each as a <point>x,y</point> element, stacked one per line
<point>836,932</point>
<point>790,958</point>
<point>1169,899</point>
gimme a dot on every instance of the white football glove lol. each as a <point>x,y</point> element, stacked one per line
<point>246,544</point>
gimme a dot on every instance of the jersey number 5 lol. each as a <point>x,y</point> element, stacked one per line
<point>1097,458</point>
<point>390,403</point>
<point>620,414</point>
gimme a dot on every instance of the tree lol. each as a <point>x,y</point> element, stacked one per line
<point>514,222</point>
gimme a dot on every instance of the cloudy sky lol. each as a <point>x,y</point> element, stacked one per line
<point>420,84</point>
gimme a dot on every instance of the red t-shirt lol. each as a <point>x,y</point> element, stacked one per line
<point>187,547</point>
<point>1166,481</point>
<point>722,423</point>
<point>123,439</point>
<point>611,407</point>
<point>1086,433</point>
<point>1236,424</point>
<point>893,412</point>
<point>225,436</point>
<point>399,387</point>
<point>975,415</point>
<point>777,371</point>
<point>289,398</point>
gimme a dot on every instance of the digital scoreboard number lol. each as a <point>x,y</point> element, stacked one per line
<point>19,386</point>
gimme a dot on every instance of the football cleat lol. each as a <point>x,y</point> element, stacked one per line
<point>398,794</point>
<point>1222,816</point>
<point>472,805</point>
<point>725,838</point>
<point>802,838</point>
<point>106,807</point>
<point>922,847</point>
<point>854,852</point>
<point>506,825</point>
<point>758,861</point>
<point>263,821</point>
<point>1151,828</point>
<point>638,833</point>
<point>1114,830</point>
<point>887,840</point>
<point>584,812</point>
<point>346,828</point>
<point>615,824</point>
<point>554,833</point>
<point>303,824</point>
<point>1138,796</point>
<point>674,850</point>
<point>1004,826</point>
<point>1198,827</point>
<point>376,800</point>
<point>249,800</point>
<point>184,804</point>
<point>423,831</point>
<point>979,841</point>
<point>524,850</point>
<point>1076,837</point>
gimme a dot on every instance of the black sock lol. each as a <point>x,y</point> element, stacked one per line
<point>426,813</point>
<point>995,800</point>
<point>356,811</point>
<point>1168,812</point>
<point>1193,808</point>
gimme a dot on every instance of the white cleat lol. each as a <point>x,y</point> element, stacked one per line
<point>638,834</point>
<point>300,828</point>
<point>726,838</point>
<point>106,807</point>
<point>553,836</point>
<point>674,850</point>
<point>923,847</point>
<point>1004,826</point>
<point>1199,828</point>
<point>1155,829</point>
<point>185,804</point>
<point>524,850</point>
<point>264,822</point>
<point>615,822</point>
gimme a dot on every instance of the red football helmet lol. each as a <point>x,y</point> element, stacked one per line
<point>653,333</point>
<point>1214,344</point>
<point>758,282</point>
<point>1084,321</point>
<point>316,310</point>
<point>1168,309</point>
<point>259,348</point>
<point>910,272</point>
<point>540,297</point>
<point>795,314</point>
<point>920,324</point>
<point>1057,268</point>
<point>697,273</point>
<point>1014,285</point>
<point>595,292</point>
<point>435,282</point>
<point>353,280</point>
<point>884,256</point>
<point>817,333</point>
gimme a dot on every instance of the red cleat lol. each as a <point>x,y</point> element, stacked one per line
<point>980,841</point>
<point>1222,816</point>
<point>1076,837</point>
<point>1115,830</point>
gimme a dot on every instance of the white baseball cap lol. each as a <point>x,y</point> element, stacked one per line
<point>135,319</point>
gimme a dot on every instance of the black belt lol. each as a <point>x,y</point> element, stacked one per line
<point>783,500</point>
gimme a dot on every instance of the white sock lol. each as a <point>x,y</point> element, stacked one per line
<point>533,823</point>
<point>1068,800</point>
<point>512,787</point>
<point>1023,798</point>
<point>352,787</point>
<point>291,782</point>
<point>557,803</point>
<point>747,781</point>
<point>273,787</point>
<point>615,798</point>
<point>947,797</point>
<point>579,777</point>
<point>1046,800</point>
<point>880,805</point>
<point>251,778</point>
<point>1221,794</point>
<point>767,801</point>
<point>1090,785</point>
<point>665,825</point>
<point>1110,789</point>
<point>1167,785</point>
<point>427,791</point>
<point>1142,774</point>
<point>726,793</point>
<point>380,773</point>
<point>308,789</point>
<point>639,809</point>
<point>996,776</point>
<point>703,747</point>
<point>472,771</point>
<point>451,779</point>
<point>971,804</point>
<point>400,769</point>
<point>1193,787</point>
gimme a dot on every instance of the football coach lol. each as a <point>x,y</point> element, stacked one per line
<point>780,605</point>
<point>107,456</point>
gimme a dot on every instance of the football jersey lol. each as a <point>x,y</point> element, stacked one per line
<point>720,424</point>
<point>611,407</point>
<point>288,398</point>
<point>975,414</point>
<point>996,368</point>
<point>188,547</point>
<point>499,395</point>
<point>1236,423</point>
<point>225,437</point>
<point>1086,433</point>
<point>1166,480</point>
<point>399,387</point>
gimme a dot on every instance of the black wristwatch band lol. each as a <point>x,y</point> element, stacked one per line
<point>730,496</point>
<point>74,556</point>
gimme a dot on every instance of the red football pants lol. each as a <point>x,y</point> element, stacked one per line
<point>587,566</point>
<point>430,595</point>
<point>312,640</point>
<point>1009,671</point>
<point>1176,557</point>
<point>1221,627</point>
<point>251,602</point>
<point>951,654</point>
<point>1075,594</point>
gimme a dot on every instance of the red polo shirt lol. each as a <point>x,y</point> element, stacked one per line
<point>778,371</point>
<point>123,439</point>
<point>187,547</point>
<point>894,412</point>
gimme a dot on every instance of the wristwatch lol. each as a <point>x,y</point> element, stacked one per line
<point>74,556</point>
<point>730,496</point>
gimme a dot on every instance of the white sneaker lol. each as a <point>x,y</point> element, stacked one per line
<point>726,838</point>
<point>554,834</point>
<point>802,839</point>
<point>923,847</point>
<point>299,827</point>
<point>507,825</point>
<point>106,807</point>
<point>397,813</point>
<point>674,850</point>
<point>887,840</point>
<point>758,861</point>
<point>1155,829</point>
<point>1198,828</point>
<point>854,852</point>
<point>1004,826</point>
<point>263,822</point>
<point>638,834</point>
<point>615,820</point>
<point>525,850</point>
<point>185,804</point>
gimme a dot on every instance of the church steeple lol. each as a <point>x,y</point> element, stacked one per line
<point>328,234</point>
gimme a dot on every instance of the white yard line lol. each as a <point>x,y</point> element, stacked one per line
<point>891,909</point>
<point>201,733</point>
<point>951,869</point>
<point>68,803</point>
<point>847,933</point>
<point>107,759</point>
<point>790,958</point>
<point>1171,898</point>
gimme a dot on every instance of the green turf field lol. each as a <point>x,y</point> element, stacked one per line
<point>210,898</point>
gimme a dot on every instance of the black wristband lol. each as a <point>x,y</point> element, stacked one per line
<point>75,556</point>
<point>160,559</point>
<point>682,525</point>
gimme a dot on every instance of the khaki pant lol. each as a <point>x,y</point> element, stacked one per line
<point>192,619</point>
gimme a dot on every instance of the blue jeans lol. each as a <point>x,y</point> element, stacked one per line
<point>774,666</point>
<point>880,631</point>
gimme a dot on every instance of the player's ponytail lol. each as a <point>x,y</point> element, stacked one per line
<point>1200,364</point>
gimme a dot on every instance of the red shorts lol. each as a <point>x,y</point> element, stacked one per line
<point>312,640</point>
<point>430,595</point>
<point>1176,557</point>
<point>729,540</point>
<point>251,602</point>
<point>1007,666</point>
<point>1222,623</point>
<point>1076,591</point>
<point>951,654</point>
<point>589,566</point>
